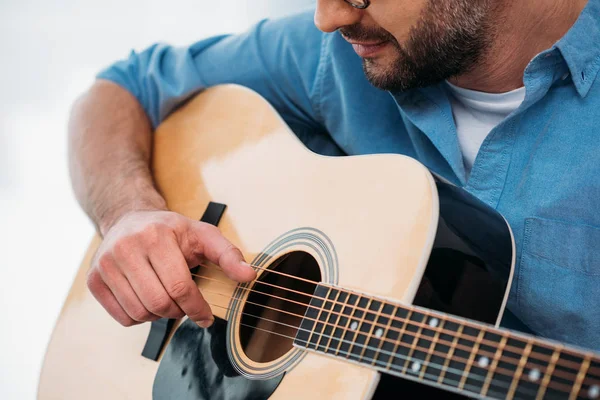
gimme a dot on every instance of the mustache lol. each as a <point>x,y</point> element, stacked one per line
<point>360,33</point>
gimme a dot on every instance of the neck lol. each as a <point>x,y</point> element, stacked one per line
<point>441,350</point>
<point>522,29</point>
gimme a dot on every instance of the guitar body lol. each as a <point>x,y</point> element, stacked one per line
<point>366,223</point>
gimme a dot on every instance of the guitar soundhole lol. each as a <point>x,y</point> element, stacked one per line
<point>276,305</point>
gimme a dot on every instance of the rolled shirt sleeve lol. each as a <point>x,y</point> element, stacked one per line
<point>279,59</point>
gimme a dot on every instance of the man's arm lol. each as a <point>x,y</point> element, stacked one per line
<point>110,143</point>
<point>141,270</point>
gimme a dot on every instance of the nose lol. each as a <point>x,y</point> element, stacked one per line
<point>333,14</point>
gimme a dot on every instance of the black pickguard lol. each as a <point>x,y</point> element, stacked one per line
<point>196,366</point>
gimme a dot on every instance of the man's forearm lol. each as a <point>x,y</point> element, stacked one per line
<point>110,145</point>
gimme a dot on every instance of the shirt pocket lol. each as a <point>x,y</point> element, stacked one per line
<point>558,292</point>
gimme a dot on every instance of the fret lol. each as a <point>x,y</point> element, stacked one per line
<point>415,358</point>
<point>397,335</point>
<point>548,375</point>
<point>433,370</point>
<point>502,376</point>
<point>347,321</point>
<point>519,371</point>
<point>565,375</point>
<point>338,308</point>
<point>580,376</point>
<point>484,350</point>
<point>356,338</point>
<point>387,353</point>
<point>356,325</point>
<point>447,377</point>
<point>419,360</point>
<point>308,323</point>
<point>438,362</point>
<point>531,378</point>
<point>372,318</point>
<point>590,387</point>
<point>385,319</point>
<point>319,324</point>
<point>458,361</point>
<point>475,372</point>
<point>497,355</point>
<point>336,297</point>
<point>462,351</point>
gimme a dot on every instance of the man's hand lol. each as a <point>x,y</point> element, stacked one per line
<point>141,270</point>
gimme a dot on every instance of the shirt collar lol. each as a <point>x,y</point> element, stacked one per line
<point>580,47</point>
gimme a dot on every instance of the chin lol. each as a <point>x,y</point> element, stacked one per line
<point>377,72</point>
<point>376,68</point>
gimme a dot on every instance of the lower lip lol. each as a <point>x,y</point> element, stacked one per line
<point>368,50</point>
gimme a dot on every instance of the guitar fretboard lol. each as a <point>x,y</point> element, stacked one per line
<point>437,349</point>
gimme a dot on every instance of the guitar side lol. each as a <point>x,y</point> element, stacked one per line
<point>272,185</point>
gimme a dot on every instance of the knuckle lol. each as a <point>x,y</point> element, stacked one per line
<point>127,322</point>
<point>198,314</point>
<point>204,231</point>
<point>179,224</point>
<point>154,234</point>
<point>228,250</point>
<point>151,233</point>
<point>180,290</point>
<point>140,314</point>
<point>123,247</point>
<point>198,234</point>
<point>92,280</point>
<point>211,230</point>
<point>160,305</point>
<point>104,264</point>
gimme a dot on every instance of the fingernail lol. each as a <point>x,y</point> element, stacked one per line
<point>245,264</point>
<point>206,323</point>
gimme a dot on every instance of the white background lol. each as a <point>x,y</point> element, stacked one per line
<point>49,54</point>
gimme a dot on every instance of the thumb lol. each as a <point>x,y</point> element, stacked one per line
<point>217,249</point>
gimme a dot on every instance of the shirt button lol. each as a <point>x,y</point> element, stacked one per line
<point>548,55</point>
<point>565,76</point>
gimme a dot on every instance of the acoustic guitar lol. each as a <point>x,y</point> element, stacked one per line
<point>375,280</point>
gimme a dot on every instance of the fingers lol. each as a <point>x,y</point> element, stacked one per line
<point>148,288</point>
<point>208,240</point>
<point>123,292</point>
<point>107,299</point>
<point>141,271</point>
<point>173,271</point>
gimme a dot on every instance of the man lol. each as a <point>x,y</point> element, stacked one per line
<point>498,96</point>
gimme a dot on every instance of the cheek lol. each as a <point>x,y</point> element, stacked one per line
<point>398,17</point>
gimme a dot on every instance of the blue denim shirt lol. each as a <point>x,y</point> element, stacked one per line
<point>540,167</point>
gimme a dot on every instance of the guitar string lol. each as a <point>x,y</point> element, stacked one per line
<point>384,368</point>
<point>514,361</point>
<point>558,373</point>
<point>458,320</point>
<point>424,364</point>
<point>544,358</point>
<point>334,326</point>
<point>373,361</point>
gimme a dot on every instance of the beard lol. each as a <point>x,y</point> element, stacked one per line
<point>449,39</point>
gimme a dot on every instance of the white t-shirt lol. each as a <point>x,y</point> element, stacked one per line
<point>477,113</point>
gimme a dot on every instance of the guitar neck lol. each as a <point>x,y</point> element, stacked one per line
<point>439,349</point>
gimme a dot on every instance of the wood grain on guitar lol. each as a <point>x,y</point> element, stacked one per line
<point>345,250</point>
